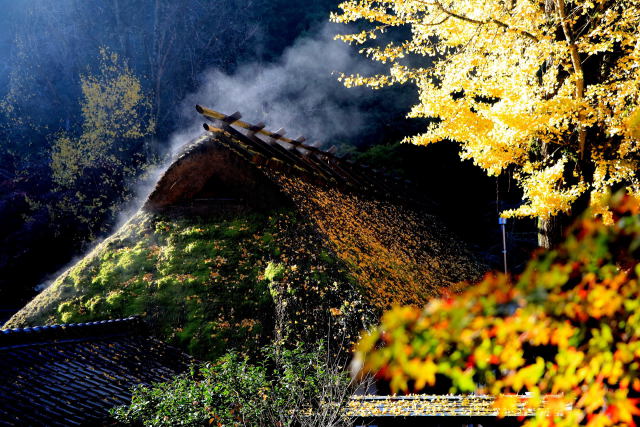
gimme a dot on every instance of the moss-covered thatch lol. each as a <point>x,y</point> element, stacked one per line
<point>206,284</point>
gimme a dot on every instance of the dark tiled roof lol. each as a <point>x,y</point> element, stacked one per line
<point>72,374</point>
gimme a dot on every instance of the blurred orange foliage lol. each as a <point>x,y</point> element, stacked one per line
<point>568,326</point>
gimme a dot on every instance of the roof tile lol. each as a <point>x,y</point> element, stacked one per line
<point>73,374</point>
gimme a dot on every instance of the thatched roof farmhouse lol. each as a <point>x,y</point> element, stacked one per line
<point>245,220</point>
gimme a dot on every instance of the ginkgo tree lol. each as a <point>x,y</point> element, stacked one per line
<point>92,168</point>
<point>114,108</point>
<point>546,90</point>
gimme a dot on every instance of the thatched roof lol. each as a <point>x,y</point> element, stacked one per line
<point>395,248</point>
<point>244,219</point>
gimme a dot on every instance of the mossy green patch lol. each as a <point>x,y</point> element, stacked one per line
<point>204,284</point>
<point>274,271</point>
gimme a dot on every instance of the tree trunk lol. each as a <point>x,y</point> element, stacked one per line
<point>550,231</point>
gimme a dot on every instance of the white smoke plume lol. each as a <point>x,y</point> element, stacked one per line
<point>300,92</point>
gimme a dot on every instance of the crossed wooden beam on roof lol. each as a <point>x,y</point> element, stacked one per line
<point>319,162</point>
<point>258,128</point>
<point>323,163</point>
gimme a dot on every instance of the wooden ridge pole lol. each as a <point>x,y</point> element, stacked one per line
<point>234,119</point>
<point>279,135</point>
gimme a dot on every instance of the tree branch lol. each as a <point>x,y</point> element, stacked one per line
<point>577,69</point>
<point>440,6</point>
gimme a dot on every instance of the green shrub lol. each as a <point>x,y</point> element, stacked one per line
<point>288,387</point>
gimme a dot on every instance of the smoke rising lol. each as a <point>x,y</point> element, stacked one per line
<point>300,92</point>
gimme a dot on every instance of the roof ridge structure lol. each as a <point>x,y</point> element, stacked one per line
<point>70,331</point>
<point>474,408</point>
<point>323,164</point>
